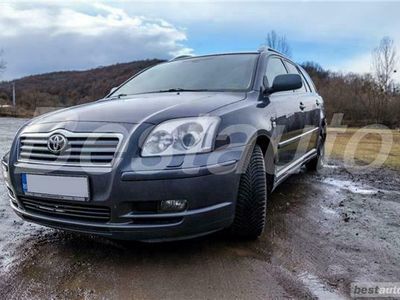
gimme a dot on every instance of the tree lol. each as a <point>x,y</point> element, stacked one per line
<point>384,61</point>
<point>2,62</point>
<point>278,42</point>
<point>314,69</point>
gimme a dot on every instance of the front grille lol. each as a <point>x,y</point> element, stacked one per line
<point>81,148</point>
<point>69,210</point>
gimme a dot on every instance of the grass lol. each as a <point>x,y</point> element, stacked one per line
<point>364,146</point>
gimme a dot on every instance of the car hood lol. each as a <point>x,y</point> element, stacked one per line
<point>149,108</point>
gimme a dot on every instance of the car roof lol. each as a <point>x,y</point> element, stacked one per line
<point>261,50</point>
<point>183,57</point>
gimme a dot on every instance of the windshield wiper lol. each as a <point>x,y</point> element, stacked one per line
<point>180,90</point>
<point>174,90</point>
<point>118,96</point>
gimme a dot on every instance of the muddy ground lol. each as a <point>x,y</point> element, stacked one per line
<point>324,231</point>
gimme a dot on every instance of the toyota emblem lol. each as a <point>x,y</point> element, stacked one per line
<point>57,143</point>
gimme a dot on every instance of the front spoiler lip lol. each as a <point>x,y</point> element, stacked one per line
<point>121,226</point>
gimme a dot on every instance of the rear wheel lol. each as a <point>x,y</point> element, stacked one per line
<point>251,204</point>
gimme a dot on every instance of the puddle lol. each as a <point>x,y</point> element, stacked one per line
<point>329,211</point>
<point>317,287</point>
<point>330,166</point>
<point>351,187</point>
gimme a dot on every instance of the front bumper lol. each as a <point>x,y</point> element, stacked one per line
<point>193,223</point>
<point>210,192</point>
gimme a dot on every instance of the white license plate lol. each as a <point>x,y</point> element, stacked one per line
<point>56,187</point>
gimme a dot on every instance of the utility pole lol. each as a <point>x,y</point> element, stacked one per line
<point>13,94</point>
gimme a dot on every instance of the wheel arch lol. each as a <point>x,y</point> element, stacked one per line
<point>268,148</point>
<point>269,152</point>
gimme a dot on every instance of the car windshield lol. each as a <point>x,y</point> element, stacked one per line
<point>230,72</point>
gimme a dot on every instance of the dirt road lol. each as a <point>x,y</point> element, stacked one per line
<point>324,231</point>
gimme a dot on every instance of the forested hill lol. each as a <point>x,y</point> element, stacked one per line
<point>68,88</point>
<point>359,98</point>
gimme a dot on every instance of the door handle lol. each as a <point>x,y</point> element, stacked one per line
<point>302,106</point>
<point>317,102</point>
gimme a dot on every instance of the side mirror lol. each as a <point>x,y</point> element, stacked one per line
<point>286,82</point>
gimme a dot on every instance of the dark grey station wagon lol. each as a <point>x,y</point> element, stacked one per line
<point>185,148</point>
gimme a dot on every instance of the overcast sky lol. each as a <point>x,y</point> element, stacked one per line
<point>44,36</point>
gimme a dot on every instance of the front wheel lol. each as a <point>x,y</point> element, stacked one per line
<point>251,204</point>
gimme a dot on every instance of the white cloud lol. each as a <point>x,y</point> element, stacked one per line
<point>46,35</point>
<point>346,32</point>
<point>52,37</point>
<point>309,20</point>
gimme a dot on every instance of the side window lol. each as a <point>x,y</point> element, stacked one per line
<point>293,70</point>
<point>275,67</point>
<point>308,79</point>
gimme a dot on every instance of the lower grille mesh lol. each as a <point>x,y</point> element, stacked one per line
<point>67,210</point>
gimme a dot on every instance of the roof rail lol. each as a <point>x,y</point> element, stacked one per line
<point>262,48</point>
<point>181,57</point>
<point>266,48</point>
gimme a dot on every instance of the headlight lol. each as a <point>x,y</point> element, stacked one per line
<point>181,136</point>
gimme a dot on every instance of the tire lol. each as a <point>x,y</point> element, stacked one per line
<point>251,204</point>
<point>317,162</point>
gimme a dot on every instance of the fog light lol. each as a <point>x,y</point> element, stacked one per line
<point>173,205</point>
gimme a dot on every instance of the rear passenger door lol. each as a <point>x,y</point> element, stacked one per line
<point>288,121</point>
<point>317,104</point>
<point>308,106</point>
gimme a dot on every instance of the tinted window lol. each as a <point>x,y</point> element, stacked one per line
<point>275,67</point>
<point>293,70</point>
<point>308,79</point>
<point>215,73</point>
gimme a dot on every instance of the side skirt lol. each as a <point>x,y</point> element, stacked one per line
<point>293,167</point>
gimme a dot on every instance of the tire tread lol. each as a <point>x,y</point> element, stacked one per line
<point>249,221</point>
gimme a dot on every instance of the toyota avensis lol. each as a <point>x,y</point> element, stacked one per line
<point>182,149</point>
